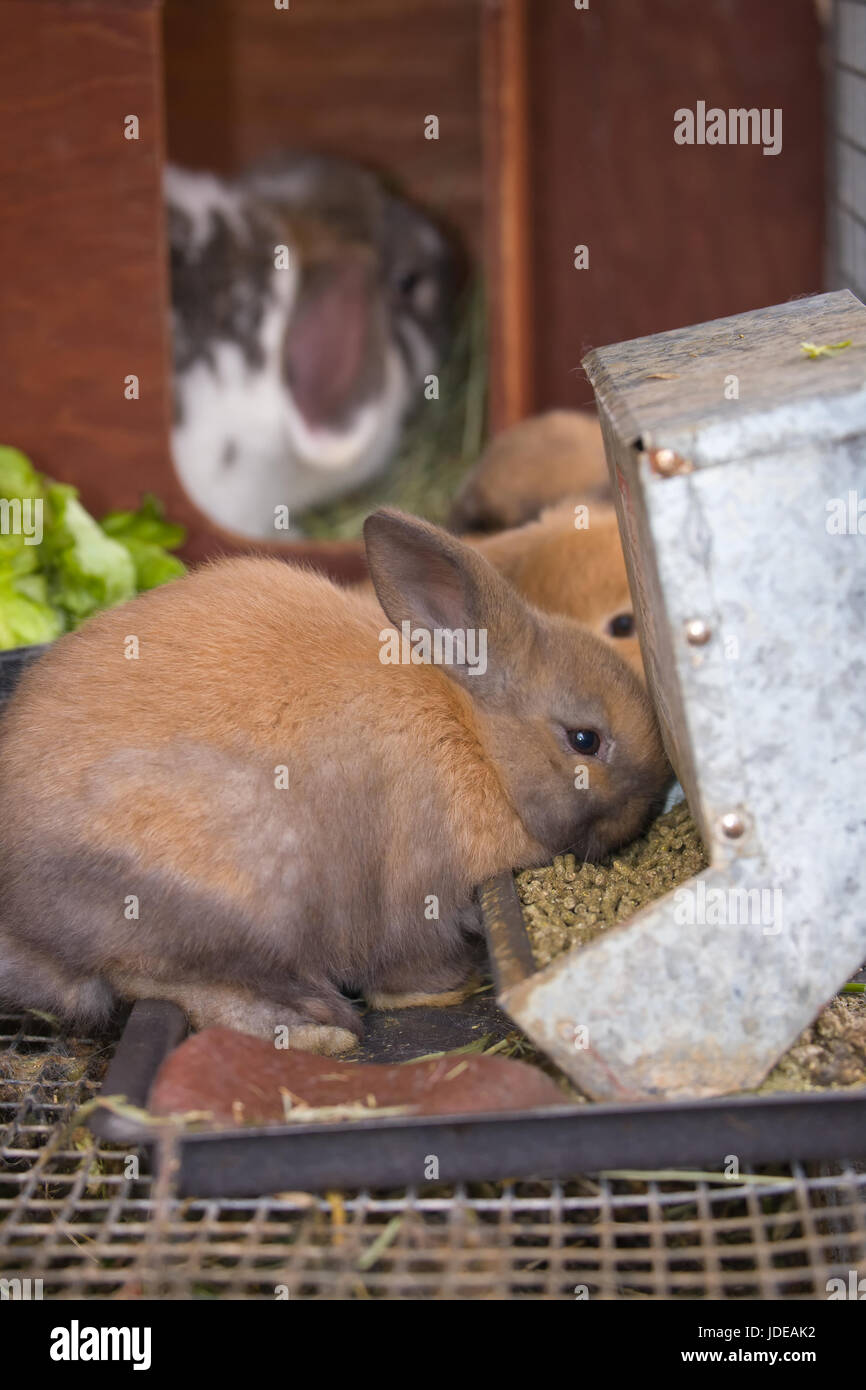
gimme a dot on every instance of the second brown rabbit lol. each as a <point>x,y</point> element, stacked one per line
<point>530,466</point>
<point>565,566</point>
<point>226,795</point>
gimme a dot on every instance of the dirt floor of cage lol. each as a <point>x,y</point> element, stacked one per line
<point>87,1220</point>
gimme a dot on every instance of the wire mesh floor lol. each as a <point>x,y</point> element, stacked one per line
<point>87,1220</point>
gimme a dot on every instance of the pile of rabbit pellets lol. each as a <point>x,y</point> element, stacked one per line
<point>567,904</point>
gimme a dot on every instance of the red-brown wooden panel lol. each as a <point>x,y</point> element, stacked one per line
<point>677,234</point>
<point>354,79</point>
<point>508,232</point>
<point>82,237</point>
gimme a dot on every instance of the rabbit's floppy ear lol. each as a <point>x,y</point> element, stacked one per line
<point>433,582</point>
<point>334,346</point>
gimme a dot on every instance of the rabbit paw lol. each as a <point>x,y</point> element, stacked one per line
<point>417,998</point>
<point>324,1038</point>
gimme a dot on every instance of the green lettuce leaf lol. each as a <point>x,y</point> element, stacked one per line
<point>148,536</point>
<point>18,477</point>
<point>79,565</point>
<point>89,570</point>
<point>147,524</point>
<point>24,620</point>
<point>153,565</point>
<point>16,555</point>
<point>22,507</point>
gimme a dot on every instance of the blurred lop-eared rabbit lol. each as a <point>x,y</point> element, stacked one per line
<point>308,306</point>
<point>280,802</point>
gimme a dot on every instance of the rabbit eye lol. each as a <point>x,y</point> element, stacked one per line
<point>408,282</point>
<point>621,626</point>
<point>419,289</point>
<point>584,740</point>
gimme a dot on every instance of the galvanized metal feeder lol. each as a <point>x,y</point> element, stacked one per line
<point>736,457</point>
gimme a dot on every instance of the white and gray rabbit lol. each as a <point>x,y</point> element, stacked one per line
<point>309,304</point>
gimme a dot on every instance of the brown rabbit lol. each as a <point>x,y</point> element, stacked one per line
<point>565,567</point>
<point>531,466</point>
<point>224,794</point>
<point>574,569</point>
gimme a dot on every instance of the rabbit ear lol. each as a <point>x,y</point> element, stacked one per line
<point>334,347</point>
<point>433,582</point>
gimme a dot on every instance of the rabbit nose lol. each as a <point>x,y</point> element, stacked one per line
<point>333,349</point>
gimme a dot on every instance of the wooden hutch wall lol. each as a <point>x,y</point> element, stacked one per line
<point>556,128</point>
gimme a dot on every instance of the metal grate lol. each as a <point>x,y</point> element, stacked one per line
<point>74,1213</point>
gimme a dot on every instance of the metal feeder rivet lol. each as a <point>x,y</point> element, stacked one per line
<point>732,825</point>
<point>698,632</point>
<point>668,462</point>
